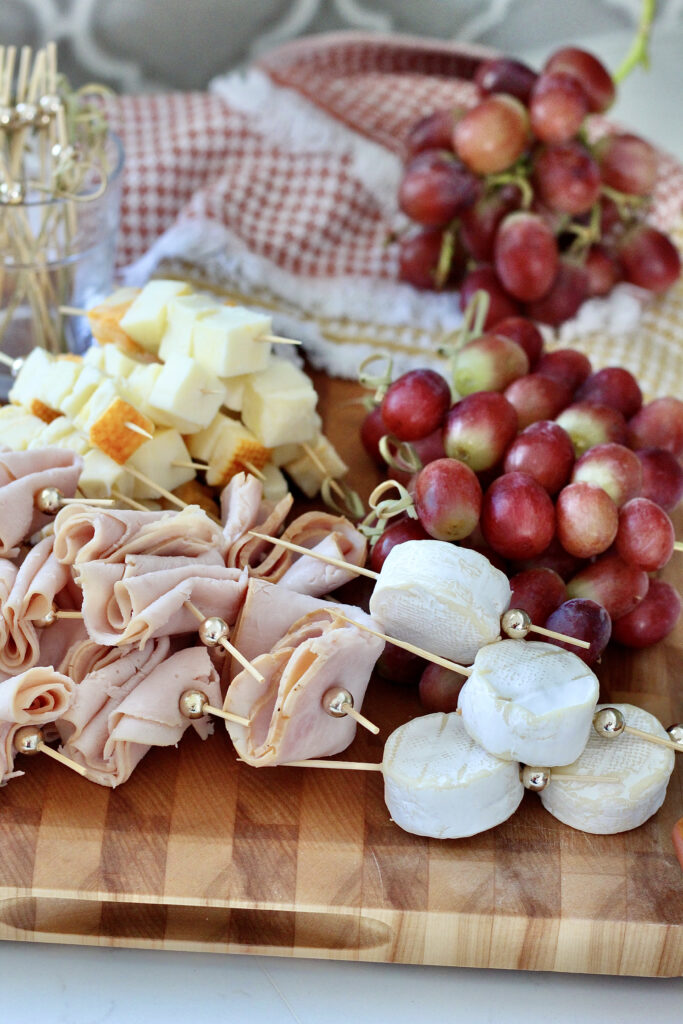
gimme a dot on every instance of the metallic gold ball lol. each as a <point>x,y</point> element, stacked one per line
<point>676,732</point>
<point>534,779</point>
<point>333,701</point>
<point>609,722</point>
<point>213,630</point>
<point>49,500</point>
<point>192,703</point>
<point>516,623</point>
<point>47,620</point>
<point>27,739</point>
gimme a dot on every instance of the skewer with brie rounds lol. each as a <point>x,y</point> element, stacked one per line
<point>641,770</point>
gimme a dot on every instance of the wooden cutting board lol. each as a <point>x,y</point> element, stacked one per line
<point>198,852</point>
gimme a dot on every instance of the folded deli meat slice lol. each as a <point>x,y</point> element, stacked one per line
<point>36,584</point>
<point>242,507</point>
<point>22,475</point>
<point>144,597</point>
<point>123,708</point>
<point>286,714</point>
<point>35,697</point>
<point>85,534</point>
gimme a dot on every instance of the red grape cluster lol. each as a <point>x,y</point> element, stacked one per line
<point>558,474</point>
<point>512,198</point>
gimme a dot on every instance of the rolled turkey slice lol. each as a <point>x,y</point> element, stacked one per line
<point>35,697</point>
<point>439,782</point>
<point>443,598</point>
<point>332,536</point>
<point>529,701</point>
<point>286,715</point>
<point>145,596</point>
<point>26,473</point>
<point>257,555</point>
<point>86,534</point>
<point>241,506</point>
<point>38,582</point>
<point>641,769</point>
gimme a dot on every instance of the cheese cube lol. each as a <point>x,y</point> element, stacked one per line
<point>275,486</point>
<point>226,445</point>
<point>145,321</point>
<point>202,444</point>
<point>60,434</point>
<point>182,314</point>
<point>35,369</point>
<point>115,433</point>
<point>279,405</point>
<point>227,343</point>
<point>18,428</point>
<point>59,382</point>
<point>316,464</point>
<point>117,363</point>
<point>94,356</point>
<point>281,454</point>
<point>140,385</point>
<point>234,391</point>
<point>155,459</point>
<point>83,388</point>
<point>100,400</point>
<point>101,474</point>
<point>185,396</point>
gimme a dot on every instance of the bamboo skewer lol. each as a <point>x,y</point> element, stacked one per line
<point>322,468</point>
<point>194,704</point>
<point>610,723</point>
<point>214,631</point>
<point>412,648</point>
<point>29,740</point>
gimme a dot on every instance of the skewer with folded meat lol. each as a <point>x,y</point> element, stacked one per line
<point>146,596</point>
<point>287,715</point>
<point>35,698</point>
<point>22,476</point>
<point>127,705</point>
<point>85,534</point>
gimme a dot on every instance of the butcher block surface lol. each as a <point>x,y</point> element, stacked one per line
<point>199,852</point>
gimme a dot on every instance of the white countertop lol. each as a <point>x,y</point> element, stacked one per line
<point>82,985</point>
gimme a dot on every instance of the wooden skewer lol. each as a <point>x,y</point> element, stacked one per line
<point>214,631</point>
<point>194,704</point>
<point>190,465</point>
<point>29,740</point>
<point>651,738</point>
<point>349,766</point>
<point>559,636</point>
<point>61,614</point>
<point>581,778</point>
<point>252,469</point>
<point>322,468</point>
<point>610,723</point>
<point>427,655</point>
<point>338,703</point>
<point>131,502</point>
<point>300,550</point>
<point>678,545</point>
<point>73,311</point>
<point>277,339</point>
<point>155,486</point>
<point>361,719</point>
<point>139,430</point>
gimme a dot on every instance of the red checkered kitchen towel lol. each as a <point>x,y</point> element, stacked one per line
<point>278,187</point>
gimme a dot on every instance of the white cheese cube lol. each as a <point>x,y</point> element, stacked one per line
<point>275,486</point>
<point>185,396</point>
<point>227,343</point>
<point>94,356</point>
<point>35,370</point>
<point>84,386</point>
<point>279,405</point>
<point>17,431</point>
<point>101,474</point>
<point>234,391</point>
<point>117,363</point>
<point>59,382</point>
<point>319,463</point>
<point>201,445</point>
<point>100,400</point>
<point>182,314</point>
<point>284,453</point>
<point>155,459</point>
<point>145,321</point>
<point>60,434</point>
<point>140,385</point>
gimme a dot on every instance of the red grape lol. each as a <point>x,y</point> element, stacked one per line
<point>439,689</point>
<point>399,666</point>
<point>419,255</point>
<point>484,279</point>
<point>567,292</point>
<point>536,397</point>
<point>627,163</point>
<point>649,259</point>
<point>662,477</point>
<point>502,74</point>
<point>526,334</point>
<point>479,223</point>
<point>587,519</point>
<point>396,532</point>
<point>538,592</point>
<point>543,450</point>
<point>557,107</point>
<point>479,428</point>
<point>645,537</point>
<point>373,429</point>
<point>590,423</point>
<point>610,581</point>
<point>659,424</point>
<point>489,363</point>
<point>613,467</point>
<point>492,135</point>
<point>554,557</point>
<point>584,619</point>
<point>435,188</point>
<point>602,269</point>
<point>435,131</point>
<point>415,404</point>
<point>517,517</point>
<point>566,365</point>
<point>448,499</point>
<point>594,77</point>
<point>652,619</point>
<point>567,177</point>
<point>525,256</point>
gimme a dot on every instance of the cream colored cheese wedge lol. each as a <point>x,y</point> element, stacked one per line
<point>145,321</point>
<point>227,342</point>
<point>185,396</point>
<point>438,782</point>
<point>156,460</point>
<point>279,405</point>
<point>528,701</point>
<point>642,769</point>
<point>447,600</point>
<point>182,314</point>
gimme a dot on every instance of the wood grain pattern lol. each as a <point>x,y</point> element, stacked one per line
<point>198,852</point>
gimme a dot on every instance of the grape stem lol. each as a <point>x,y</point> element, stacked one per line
<point>515,176</point>
<point>639,51</point>
<point>379,383</point>
<point>443,268</point>
<point>381,511</point>
<point>399,454</point>
<point>352,504</point>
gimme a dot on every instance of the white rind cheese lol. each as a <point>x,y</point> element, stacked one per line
<point>642,769</point>
<point>438,782</point>
<point>443,598</point>
<point>529,701</point>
